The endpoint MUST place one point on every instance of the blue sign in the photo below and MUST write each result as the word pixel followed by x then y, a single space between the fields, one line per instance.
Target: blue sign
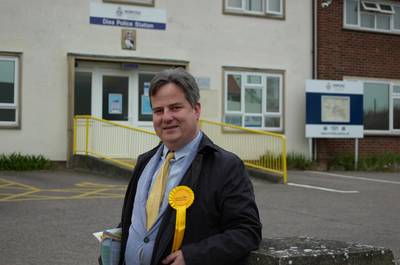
pixel 334 109
pixel 130 65
pixel 126 23
pixel 127 16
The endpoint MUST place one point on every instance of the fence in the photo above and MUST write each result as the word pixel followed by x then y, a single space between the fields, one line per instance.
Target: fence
pixel 263 150
pixel 111 141
pixel 123 144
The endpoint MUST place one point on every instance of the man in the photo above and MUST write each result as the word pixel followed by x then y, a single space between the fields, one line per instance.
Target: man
pixel 222 224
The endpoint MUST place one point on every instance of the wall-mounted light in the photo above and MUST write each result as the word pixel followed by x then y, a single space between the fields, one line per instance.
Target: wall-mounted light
pixel 326 3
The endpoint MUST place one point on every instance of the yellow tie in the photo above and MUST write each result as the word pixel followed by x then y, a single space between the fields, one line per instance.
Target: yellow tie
pixel 157 192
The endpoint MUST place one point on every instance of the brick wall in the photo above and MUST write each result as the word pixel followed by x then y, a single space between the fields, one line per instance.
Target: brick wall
pixel 351 52
pixel 343 52
pixel 369 145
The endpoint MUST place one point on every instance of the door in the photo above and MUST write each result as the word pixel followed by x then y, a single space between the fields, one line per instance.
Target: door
pixel 105 91
pixel 115 87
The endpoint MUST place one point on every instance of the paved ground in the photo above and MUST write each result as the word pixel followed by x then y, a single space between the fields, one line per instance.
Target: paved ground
pixel 48 217
pixel 356 207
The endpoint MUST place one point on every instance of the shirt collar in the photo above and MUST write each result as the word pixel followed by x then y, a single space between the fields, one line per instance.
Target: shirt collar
pixel 185 150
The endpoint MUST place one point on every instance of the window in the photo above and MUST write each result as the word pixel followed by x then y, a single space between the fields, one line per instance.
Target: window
pixel 9 91
pixel 381 106
pixel 133 2
pixel 374 16
pixel 264 8
pixel 396 107
pixel 253 99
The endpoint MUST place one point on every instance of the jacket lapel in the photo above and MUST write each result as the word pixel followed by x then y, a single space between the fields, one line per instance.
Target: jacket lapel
pixel 190 179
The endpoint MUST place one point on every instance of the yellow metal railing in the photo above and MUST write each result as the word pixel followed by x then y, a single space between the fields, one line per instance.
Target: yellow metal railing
pixel 263 150
pixel 111 141
pixel 123 144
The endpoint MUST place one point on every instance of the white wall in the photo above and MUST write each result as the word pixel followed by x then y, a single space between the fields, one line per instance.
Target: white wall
pixel 197 31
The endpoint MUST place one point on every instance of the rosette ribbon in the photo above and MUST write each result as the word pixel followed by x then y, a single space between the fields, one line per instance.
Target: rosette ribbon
pixel 180 199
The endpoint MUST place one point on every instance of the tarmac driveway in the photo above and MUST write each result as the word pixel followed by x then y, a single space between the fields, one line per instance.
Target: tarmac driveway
pixel 348 206
pixel 48 217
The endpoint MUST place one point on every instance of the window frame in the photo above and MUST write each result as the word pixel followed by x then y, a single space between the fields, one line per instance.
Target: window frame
pixel 274 12
pixel 392 96
pixel 364 5
pixel 16 58
pixel 386 11
pixel 378 7
pixel 265 13
pixel 362 9
pixel 150 3
pixel 261 86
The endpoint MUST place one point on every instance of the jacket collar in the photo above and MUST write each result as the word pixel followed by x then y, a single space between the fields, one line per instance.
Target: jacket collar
pixel 206 145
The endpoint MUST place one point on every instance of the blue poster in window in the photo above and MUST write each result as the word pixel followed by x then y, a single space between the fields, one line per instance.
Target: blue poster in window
pixel 146 109
pixel 252 121
pixel 115 103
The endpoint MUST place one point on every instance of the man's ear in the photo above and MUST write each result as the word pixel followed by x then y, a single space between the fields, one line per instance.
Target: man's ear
pixel 197 110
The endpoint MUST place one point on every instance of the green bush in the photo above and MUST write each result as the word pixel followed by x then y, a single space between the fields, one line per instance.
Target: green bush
pixel 382 163
pixel 18 162
pixel 379 163
pixel 270 160
pixel 299 161
pixel 294 160
pixel 342 162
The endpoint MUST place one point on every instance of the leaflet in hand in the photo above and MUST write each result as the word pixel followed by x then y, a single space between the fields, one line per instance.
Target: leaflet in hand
pixel 110 245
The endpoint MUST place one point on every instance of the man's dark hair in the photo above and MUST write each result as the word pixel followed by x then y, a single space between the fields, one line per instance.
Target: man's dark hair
pixel 180 77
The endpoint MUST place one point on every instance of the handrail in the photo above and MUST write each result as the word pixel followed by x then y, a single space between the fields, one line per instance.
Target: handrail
pixel 112 141
pixel 123 144
pixel 258 149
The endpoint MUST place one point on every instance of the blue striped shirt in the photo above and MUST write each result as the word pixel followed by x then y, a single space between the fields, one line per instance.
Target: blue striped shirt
pixel 139 239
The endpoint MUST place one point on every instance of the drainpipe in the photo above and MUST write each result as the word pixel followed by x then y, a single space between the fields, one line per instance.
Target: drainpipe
pixel 314 39
pixel 312 141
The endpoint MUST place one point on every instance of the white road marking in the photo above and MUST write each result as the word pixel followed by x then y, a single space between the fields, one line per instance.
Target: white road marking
pixel 351 177
pixel 320 188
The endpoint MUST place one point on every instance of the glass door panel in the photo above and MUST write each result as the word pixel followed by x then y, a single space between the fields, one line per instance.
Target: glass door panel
pixel 115 98
pixel 83 93
pixel 144 110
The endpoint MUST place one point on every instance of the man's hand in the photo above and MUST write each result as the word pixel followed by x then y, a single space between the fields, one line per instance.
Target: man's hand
pixel 175 259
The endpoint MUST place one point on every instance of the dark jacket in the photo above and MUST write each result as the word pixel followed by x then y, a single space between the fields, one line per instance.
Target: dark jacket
pixel 222 224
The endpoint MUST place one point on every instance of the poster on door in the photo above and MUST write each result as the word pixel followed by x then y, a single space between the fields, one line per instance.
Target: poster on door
pixel 146 108
pixel 115 103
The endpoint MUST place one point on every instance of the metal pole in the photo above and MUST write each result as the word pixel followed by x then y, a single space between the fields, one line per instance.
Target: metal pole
pixel 310 147
pixel 87 135
pixel 356 153
pixel 75 133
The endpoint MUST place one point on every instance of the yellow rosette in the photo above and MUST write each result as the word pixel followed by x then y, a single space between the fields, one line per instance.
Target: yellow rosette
pixel 180 199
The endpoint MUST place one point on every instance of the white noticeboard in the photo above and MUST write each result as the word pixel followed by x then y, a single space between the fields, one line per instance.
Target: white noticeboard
pixel 334 109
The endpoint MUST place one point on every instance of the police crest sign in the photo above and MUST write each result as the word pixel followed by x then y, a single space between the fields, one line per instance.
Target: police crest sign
pixel 128 39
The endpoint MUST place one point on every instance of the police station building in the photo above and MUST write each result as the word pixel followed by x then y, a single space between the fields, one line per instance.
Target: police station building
pixel 59 59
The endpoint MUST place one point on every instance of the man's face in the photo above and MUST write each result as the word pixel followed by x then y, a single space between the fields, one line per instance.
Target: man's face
pixel 174 119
